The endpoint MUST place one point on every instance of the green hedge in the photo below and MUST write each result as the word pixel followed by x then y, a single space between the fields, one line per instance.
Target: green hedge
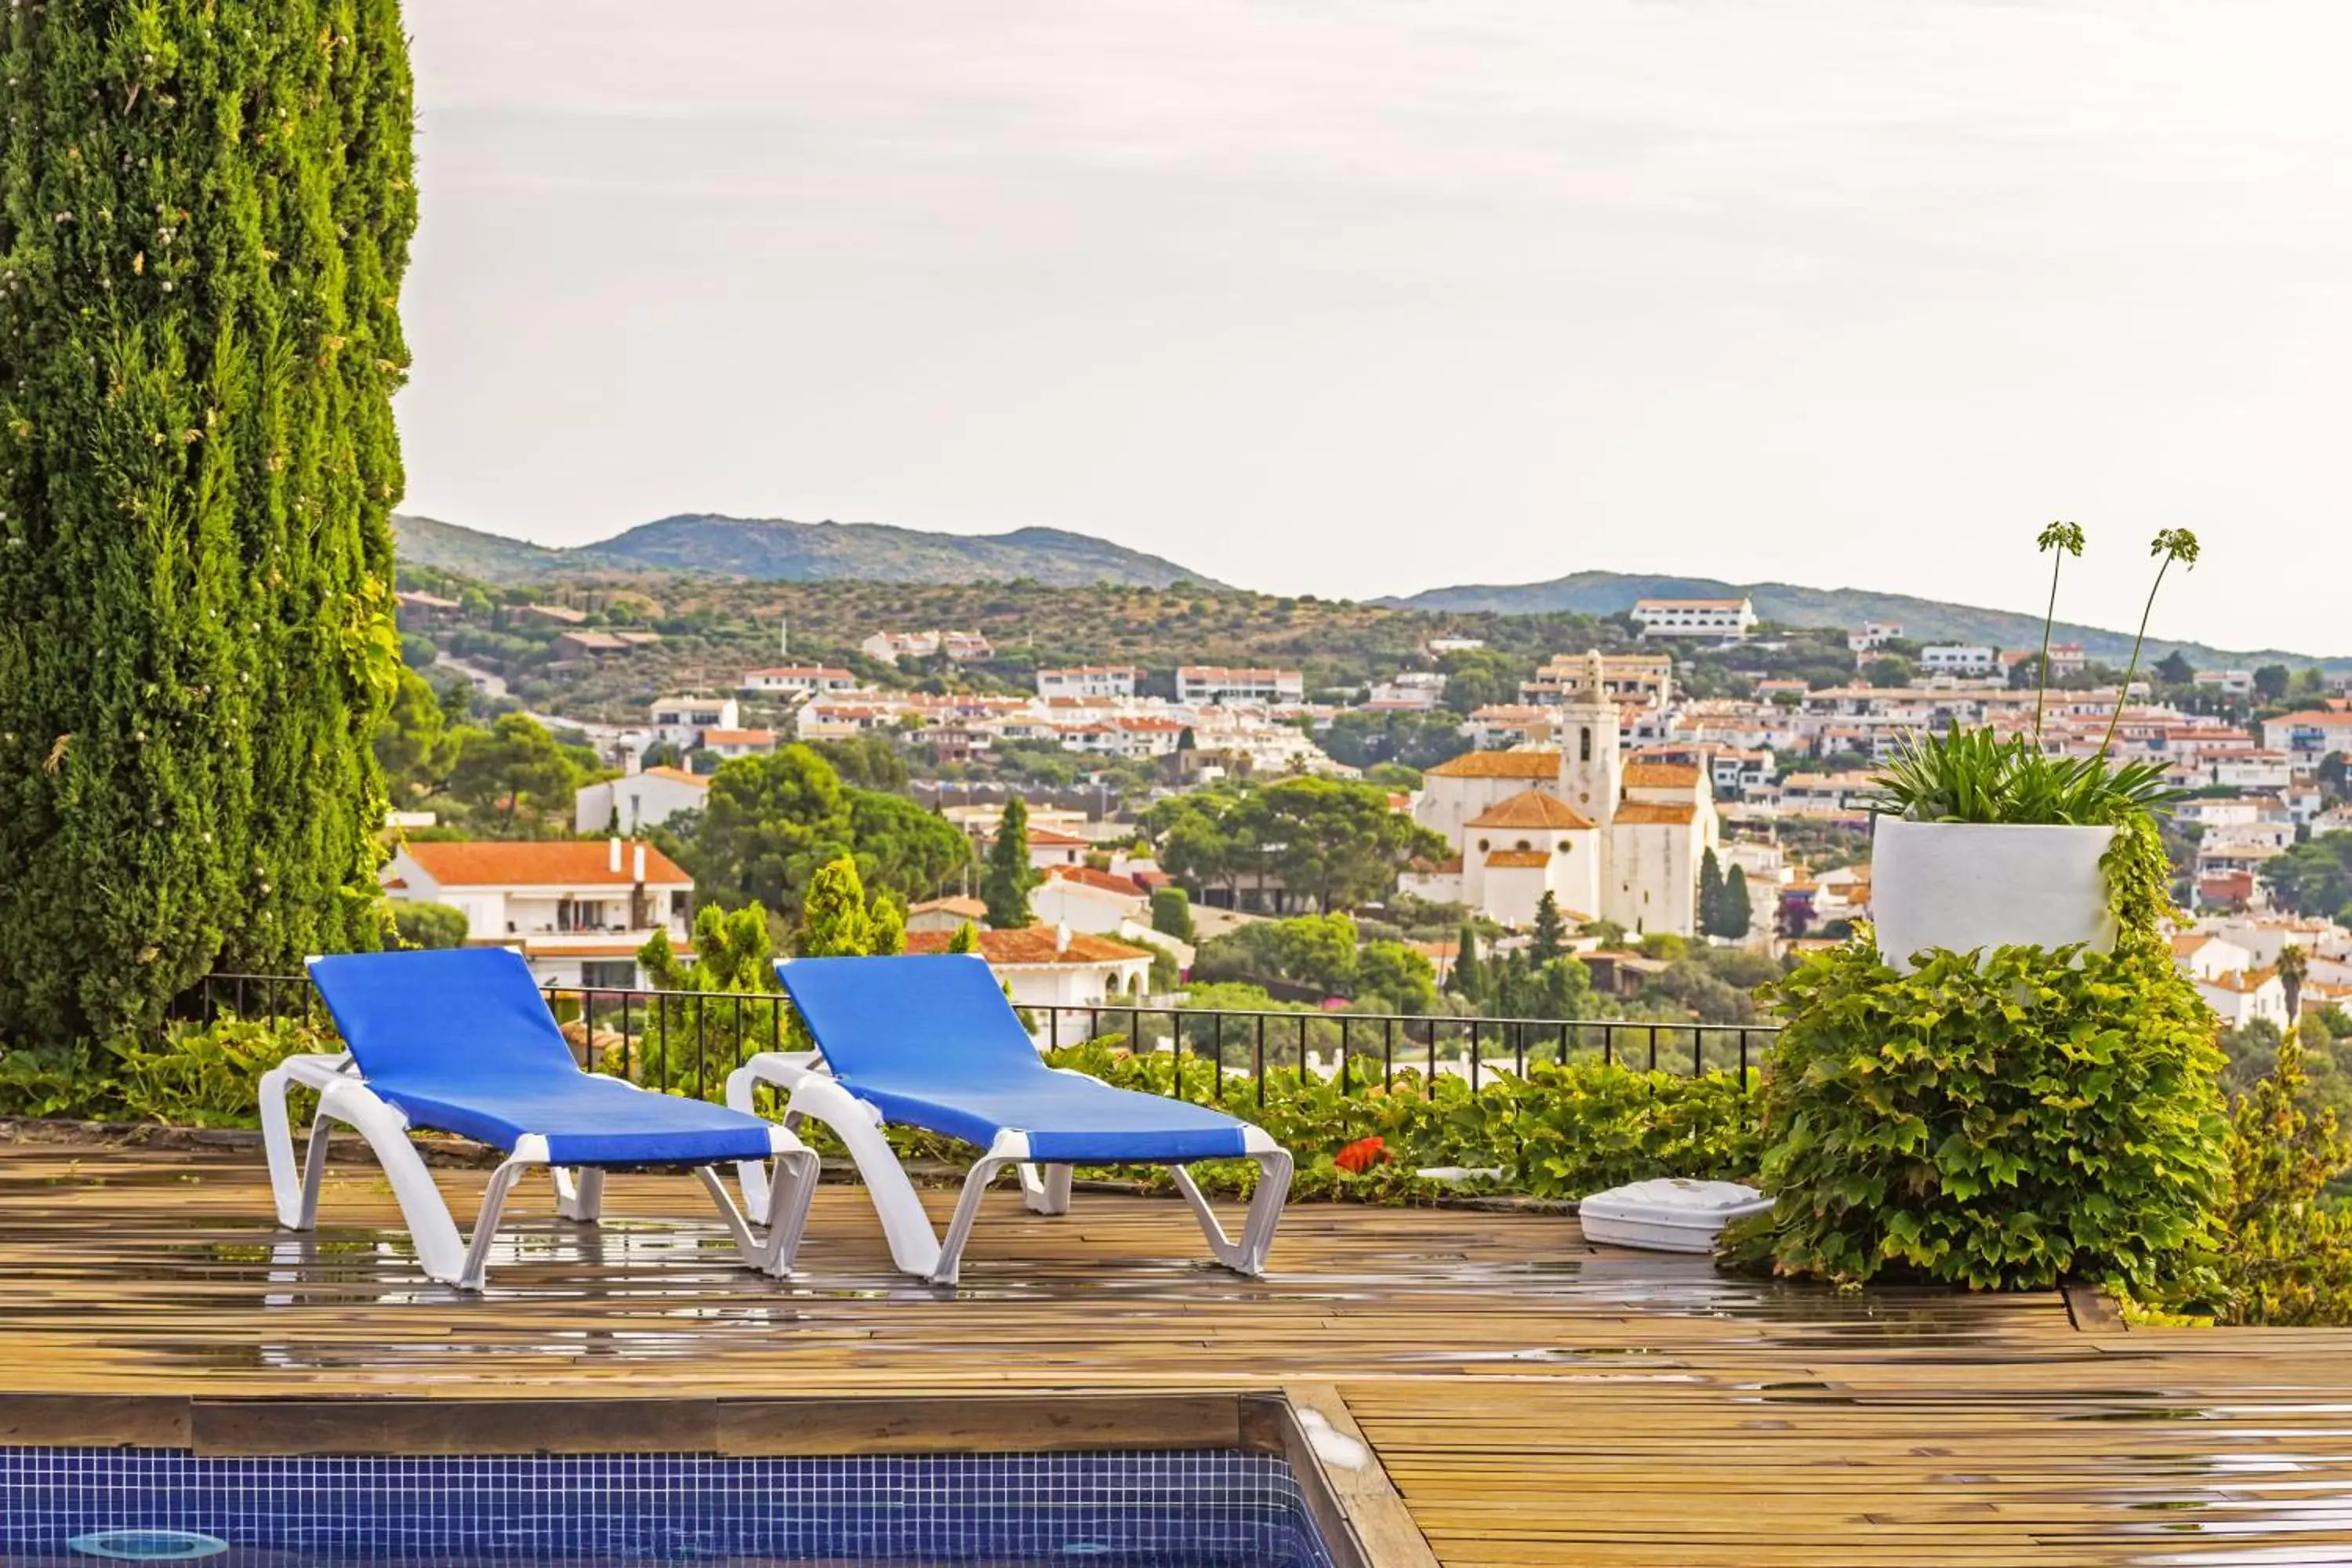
pixel 1559 1132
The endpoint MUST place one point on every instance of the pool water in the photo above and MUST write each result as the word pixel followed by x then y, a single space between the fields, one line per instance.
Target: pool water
pixel 1208 1509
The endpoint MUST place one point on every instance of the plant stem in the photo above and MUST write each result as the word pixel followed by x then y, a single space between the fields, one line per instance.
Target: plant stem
pixel 2123 695
pixel 2042 690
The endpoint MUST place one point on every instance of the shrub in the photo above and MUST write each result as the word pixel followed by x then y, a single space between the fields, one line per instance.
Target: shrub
pixel 1998 1121
pixel 429 925
pixel 2285 1255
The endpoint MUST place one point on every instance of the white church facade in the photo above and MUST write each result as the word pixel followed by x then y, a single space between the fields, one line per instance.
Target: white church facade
pixel 1609 838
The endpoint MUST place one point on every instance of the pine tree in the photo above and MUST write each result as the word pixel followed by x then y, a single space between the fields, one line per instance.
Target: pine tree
pixel 1550 936
pixel 1004 885
pixel 1710 894
pixel 1739 914
pixel 205 215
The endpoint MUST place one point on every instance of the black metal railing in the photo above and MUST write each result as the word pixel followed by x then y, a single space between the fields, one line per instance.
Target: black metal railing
pixel 689 1040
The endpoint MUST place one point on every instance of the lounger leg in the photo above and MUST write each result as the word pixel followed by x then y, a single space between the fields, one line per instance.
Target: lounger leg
pixel 914 1246
pixel 278 1142
pixel 1248 1255
pixel 579 1192
pixel 439 1246
pixel 750 1175
pixel 950 1259
pixel 486 1226
pixel 1046 1188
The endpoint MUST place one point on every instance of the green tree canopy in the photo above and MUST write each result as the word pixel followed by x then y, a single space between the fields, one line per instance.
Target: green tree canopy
pixel 1337 843
pixel 414 743
pixel 513 770
pixel 767 824
pixel 204 224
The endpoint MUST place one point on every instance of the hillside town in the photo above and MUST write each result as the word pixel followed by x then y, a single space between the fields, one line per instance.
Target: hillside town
pixel 1677 787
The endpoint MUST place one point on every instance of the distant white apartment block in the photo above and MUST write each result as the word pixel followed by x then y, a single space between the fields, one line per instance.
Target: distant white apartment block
pixel 1958 659
pixel 1439 646
pixel 1873 634
pixel 1089 681
pixel 2228 682
pixel 1215 683
pixel 681 720
pixel 960 647
pixel 792 679
pixel 1719 620
pixel 1644 678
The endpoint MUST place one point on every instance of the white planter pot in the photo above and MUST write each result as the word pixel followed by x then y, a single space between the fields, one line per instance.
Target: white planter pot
pixel 1966 886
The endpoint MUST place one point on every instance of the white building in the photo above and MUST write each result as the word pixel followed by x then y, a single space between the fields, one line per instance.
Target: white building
pixel 2228 682
pixel 1956 659
pixel 577 909
pixel 1054 967
pixel 798 679
pixel 1719 620
pixel 1199 683
pixel 1607 838
pixel 634 802
pixel 680 720
pixel 1085 681
pixel 1873 634
pixel 733 743
pixel 960 647
pixel 2309 737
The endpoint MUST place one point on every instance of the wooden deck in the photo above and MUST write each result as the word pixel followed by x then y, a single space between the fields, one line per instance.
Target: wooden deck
pixel 1535 1400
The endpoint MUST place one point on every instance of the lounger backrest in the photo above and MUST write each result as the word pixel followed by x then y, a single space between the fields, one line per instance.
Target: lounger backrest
pixel 940 1015
pixel 451 1013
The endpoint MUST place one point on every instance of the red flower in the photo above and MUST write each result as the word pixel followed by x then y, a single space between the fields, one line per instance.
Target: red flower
pixel 1362 1156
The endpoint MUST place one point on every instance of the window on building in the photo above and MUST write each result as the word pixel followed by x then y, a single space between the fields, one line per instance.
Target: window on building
pixel 609 973
pixel 1584 745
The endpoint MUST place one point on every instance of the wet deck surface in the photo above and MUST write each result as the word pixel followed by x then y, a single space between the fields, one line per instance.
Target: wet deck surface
pixel 1536 1400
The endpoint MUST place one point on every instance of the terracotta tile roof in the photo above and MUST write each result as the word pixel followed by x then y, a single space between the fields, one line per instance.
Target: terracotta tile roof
pixel 1643 814
pixel 596 949
pixel 2243 983
pixel 571 862
pixel 2183 946
pixel 676 775
pixel 1530 808
pixel 1032 945
pixel 738 737
pixel 1107 881
pixel 1518 858
pixel 1536 764
pixel 970 908
pixel 1661 776
pixel 1437 868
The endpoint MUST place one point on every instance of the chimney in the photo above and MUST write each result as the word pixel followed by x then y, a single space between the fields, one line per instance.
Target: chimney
pixel 613 859
pixel 1060 938
pixel 638 874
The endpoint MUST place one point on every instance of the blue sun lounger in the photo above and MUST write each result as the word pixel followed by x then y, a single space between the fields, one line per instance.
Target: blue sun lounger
pixel 929 1041
pixel 461 1041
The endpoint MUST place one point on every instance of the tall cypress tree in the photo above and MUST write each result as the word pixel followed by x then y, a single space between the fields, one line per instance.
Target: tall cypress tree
pixel 1710 895
pixel 205 215
pixel 1006 880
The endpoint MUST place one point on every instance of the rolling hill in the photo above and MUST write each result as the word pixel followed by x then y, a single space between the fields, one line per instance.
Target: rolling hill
pixel 1932 620
pixel 773 550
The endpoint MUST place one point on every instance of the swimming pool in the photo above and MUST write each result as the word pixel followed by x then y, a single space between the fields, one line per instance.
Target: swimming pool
pixel 1200 1509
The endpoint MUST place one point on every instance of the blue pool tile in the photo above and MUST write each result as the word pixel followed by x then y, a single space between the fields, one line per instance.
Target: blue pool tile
pixel 1133 1510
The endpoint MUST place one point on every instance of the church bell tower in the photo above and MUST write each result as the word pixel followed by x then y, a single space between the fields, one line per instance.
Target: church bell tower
pixel 1591 768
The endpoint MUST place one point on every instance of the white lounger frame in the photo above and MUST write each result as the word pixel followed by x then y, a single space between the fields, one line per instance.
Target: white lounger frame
pixel 344 1095
pixel 915 1246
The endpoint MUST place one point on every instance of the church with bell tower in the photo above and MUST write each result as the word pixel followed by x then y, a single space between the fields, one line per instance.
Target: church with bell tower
pixel 1609 837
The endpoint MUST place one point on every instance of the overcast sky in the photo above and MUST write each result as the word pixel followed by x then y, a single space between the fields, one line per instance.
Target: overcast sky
pixel 1368 297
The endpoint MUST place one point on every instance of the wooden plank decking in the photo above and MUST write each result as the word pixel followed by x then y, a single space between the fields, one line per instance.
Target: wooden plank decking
pixel 1535 1399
